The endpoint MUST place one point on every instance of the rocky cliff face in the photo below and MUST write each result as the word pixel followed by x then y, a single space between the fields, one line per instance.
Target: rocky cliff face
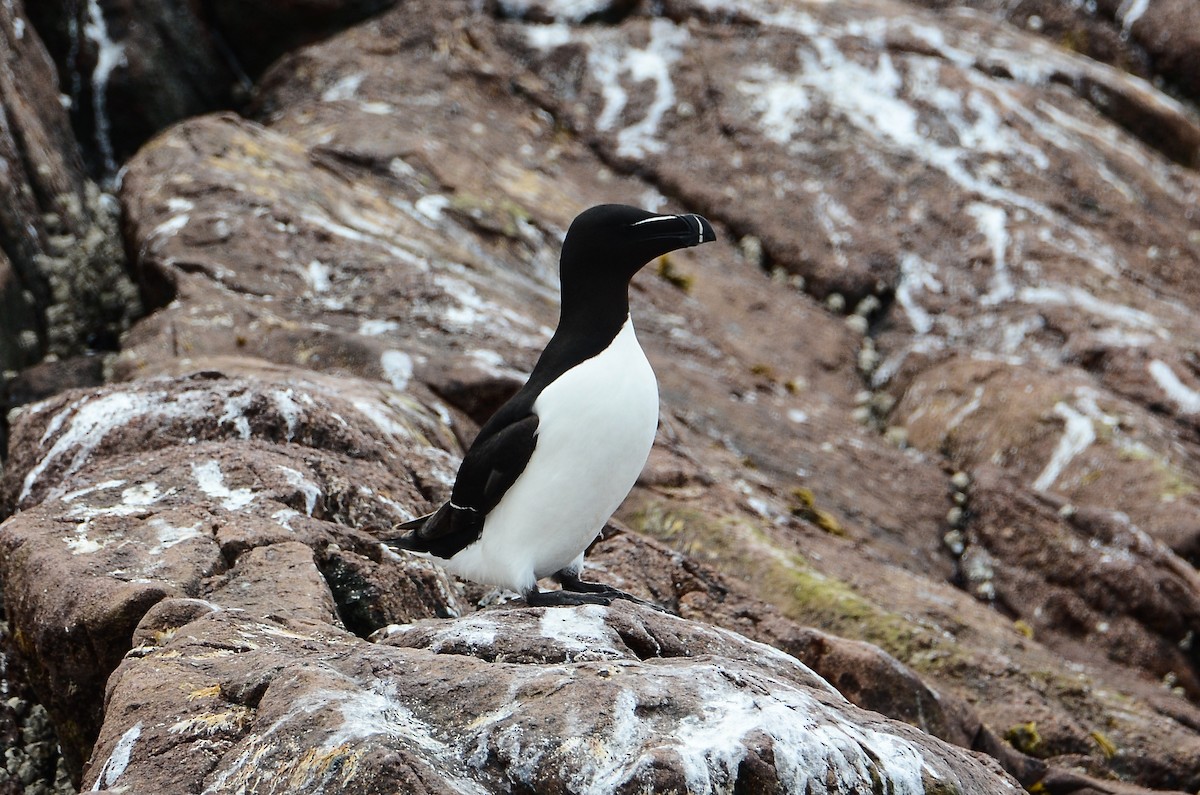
pixel 924 497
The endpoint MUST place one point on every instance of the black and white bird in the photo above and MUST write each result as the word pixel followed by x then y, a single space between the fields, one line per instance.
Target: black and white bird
pixel 553 463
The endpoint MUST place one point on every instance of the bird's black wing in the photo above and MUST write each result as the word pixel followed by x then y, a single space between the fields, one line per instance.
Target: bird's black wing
pixel 490 467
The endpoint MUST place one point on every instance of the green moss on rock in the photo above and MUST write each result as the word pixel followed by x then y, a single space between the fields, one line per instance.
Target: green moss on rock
pixel 790 582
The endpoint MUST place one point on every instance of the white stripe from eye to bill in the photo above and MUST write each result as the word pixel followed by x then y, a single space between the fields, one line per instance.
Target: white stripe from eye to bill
pixel 655 218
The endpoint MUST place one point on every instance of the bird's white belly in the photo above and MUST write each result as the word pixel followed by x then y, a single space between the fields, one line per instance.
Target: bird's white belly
pixel 596 425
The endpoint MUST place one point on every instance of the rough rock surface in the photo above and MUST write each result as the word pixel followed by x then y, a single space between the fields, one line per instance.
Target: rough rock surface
pixel 63 288
pixel 238 491
pixel 501 701
pixel 931 430
pixel 130 68
pixel 1158 41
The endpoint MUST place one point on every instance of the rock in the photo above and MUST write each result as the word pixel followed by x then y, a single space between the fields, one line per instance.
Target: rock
pixel 31 748
pixel 1168 32
pixel 1091 578
pixel 1154 40
pixel 373 594
pixel 76 428
pixel 45 379
pixel 727 489
pixel 785 106
pixel 63 288
pixel 1061 435
pixel 380 239
pixel 131 68
pixel 447 711
pixel 260 31
pixel 202 487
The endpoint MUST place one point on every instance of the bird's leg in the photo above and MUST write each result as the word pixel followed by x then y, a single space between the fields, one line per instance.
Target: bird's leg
pixel 564 598
pixel 570 582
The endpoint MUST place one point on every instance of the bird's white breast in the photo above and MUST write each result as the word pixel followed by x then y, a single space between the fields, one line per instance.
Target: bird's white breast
pixel 596 425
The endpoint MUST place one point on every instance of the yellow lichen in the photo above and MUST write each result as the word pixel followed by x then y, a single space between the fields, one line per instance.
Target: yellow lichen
pixel 503 217
pixel 204 692
pixel 1106 745
pixel 667 272
pixel 1024 737
pixel 806 508
pixel 763 371
pixel 207 724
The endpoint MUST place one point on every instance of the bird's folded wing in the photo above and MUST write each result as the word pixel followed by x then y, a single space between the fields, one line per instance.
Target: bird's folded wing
pixel 493 464
pixel 489 469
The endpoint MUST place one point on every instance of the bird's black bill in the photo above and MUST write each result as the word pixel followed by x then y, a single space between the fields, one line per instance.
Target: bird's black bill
pixel 704 230
pixel 684 230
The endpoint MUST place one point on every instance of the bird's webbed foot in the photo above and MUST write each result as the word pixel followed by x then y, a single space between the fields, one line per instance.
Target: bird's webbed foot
pixel 570 582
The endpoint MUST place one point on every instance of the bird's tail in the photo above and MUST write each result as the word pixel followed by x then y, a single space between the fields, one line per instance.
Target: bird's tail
pixel 414 524
pixel 404 535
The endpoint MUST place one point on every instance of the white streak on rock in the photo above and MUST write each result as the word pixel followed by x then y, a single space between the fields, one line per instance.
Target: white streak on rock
pixel 286 404
pixel 571 10
pixel 377 108
pixel 310 490
pixel 493 363
pixel 547 37
pixel 235 413
pixel 781 103
pixel 364 715
pixel 1078 435
pixel 316 276
pixel 432 206
pixel 376 413
pixel 211 481
pixel 375 328
pixel 473 311
pixel 810 755
pixel 91 419
pixel 475 631
pixel 916 275
pixel 109 55
pixel 992 222
pixel 104 486
pixel 581 631
pixel 650 64
pixel 398 367
pixel 169 535
pixel 170 226
pixel 134 500
pixel 371 237
pixel 1180 393
pixel 284 516
pixel 345 88
pixel 81 544
pixel 1077 297
pixel 969 408
pixel 1130 11
pixel 118 760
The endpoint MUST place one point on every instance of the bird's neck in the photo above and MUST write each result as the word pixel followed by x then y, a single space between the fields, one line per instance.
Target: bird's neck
pixel 596 308
pixel 588 323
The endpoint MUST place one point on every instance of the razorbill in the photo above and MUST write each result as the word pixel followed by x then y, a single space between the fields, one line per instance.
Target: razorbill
pixel 554 462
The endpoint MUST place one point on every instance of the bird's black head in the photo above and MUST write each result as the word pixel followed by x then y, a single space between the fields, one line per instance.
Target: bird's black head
pixel 615 241
pixel 610 243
